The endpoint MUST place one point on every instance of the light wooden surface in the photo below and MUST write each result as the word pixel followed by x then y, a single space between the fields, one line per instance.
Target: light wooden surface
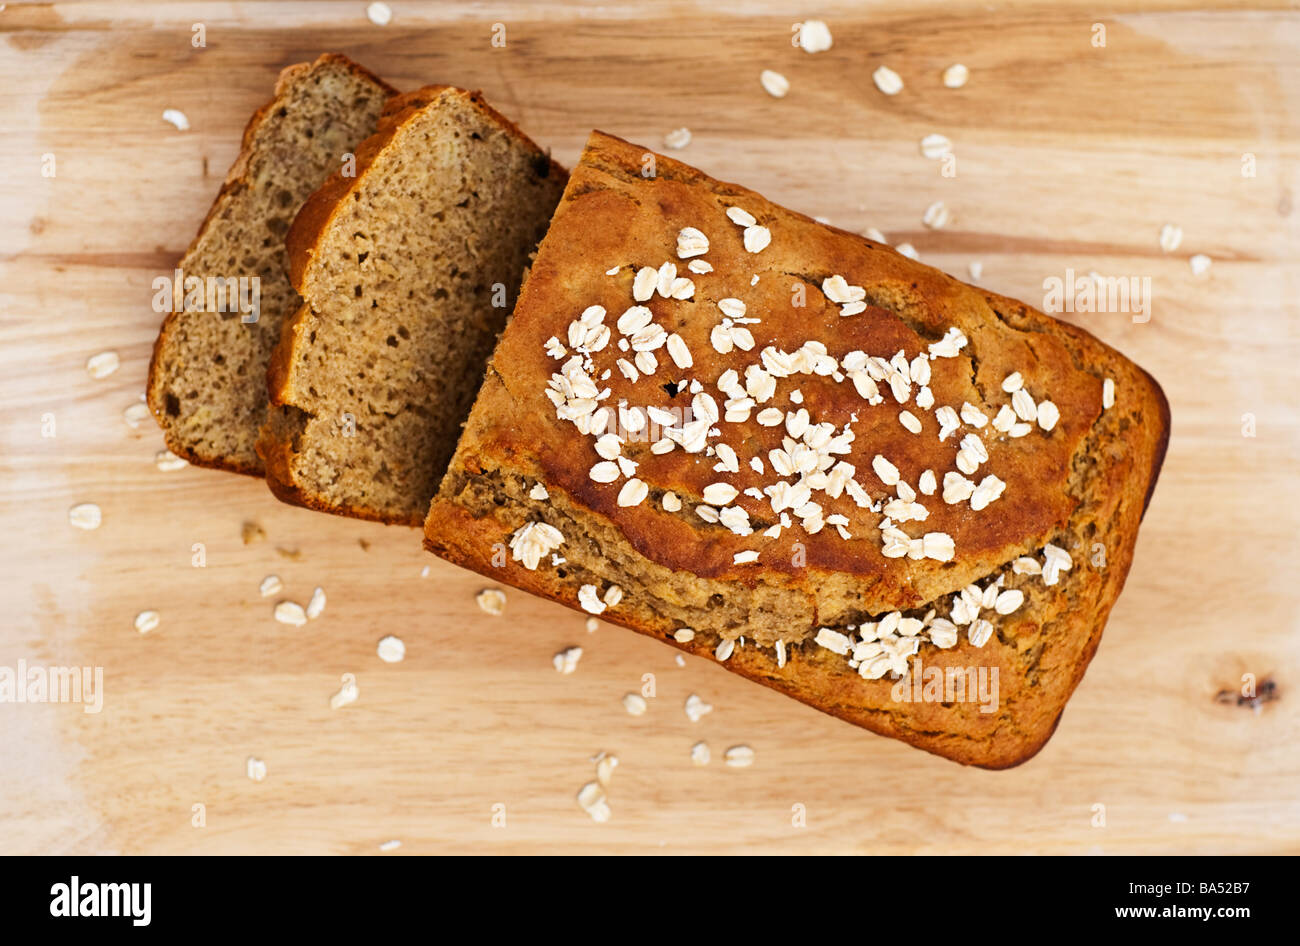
pixel 1069 156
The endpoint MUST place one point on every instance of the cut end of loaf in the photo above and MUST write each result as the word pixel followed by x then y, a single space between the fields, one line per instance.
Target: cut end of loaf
pixel 408 272
pixel 207 377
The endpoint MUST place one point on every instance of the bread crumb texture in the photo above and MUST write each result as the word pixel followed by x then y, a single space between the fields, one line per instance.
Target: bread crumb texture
pixel 408 272
pixel 207 377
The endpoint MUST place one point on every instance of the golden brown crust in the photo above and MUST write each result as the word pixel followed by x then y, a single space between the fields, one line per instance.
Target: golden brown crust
pixel 1086 483
pixel 235 178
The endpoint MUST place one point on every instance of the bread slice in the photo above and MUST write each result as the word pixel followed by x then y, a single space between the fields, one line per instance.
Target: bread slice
pixel 408 272
pixel 207 377
pixel 788 545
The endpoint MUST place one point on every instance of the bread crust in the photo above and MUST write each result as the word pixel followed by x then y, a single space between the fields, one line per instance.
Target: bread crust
pixel 513 439
pixel 313 221
pixel 236 178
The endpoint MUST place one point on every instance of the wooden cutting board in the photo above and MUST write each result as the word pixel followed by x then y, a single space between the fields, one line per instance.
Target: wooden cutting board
pixel 1070 156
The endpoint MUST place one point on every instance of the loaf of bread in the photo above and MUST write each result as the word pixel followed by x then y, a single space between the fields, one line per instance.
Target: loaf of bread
pixel 207 378
pixel 900 499
pixel 408 271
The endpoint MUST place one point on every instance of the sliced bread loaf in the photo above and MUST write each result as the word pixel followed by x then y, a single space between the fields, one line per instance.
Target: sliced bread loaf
pixel 408 272
pixel 207 378
pixel 905 501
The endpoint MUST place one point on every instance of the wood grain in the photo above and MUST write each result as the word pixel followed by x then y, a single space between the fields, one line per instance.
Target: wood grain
pixel 1069 156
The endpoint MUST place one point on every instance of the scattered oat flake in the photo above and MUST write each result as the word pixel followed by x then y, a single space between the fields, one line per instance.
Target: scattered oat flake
pixel 392 845
pixel 887 80
pixel 908 250
pixel 1200 264
pixel 592 625
pixel 738 757
pixel 955 76
pixel 103 364
pixel 976 270
pixel 256 769
pixel 814 36
pixel 1171 237
pixel 774 84
pixel 696 708
pixel 635 704
pixel 591 798
pixel 935 146
pixel 391 649
pixel 491 600
pixel 605 766
pixel 380 14
pixel 290 612
pixel 316 605
pixel 678 138
pixel 176 118
pixel 135 415
pixel 700 754
pixel 85 516
pixel 566 661
pixel 147 621
pixel 270 585
pixel 936 216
